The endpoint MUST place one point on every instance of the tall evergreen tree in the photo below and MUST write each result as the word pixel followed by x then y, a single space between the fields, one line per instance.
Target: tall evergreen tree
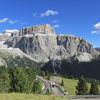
pixel 62 83
pixel 32 72
pixel 94 90
pixel 82 87
pixel 48 77
pixel 4 80
pixel 20 81
pixel 42 73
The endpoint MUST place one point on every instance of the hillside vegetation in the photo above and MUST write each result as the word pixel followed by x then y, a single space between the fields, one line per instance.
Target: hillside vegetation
pixel 76 69
pixel 69 85
pixel 14 57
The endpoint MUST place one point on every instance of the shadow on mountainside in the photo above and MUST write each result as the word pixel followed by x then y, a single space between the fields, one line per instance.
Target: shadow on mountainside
pixel 86 69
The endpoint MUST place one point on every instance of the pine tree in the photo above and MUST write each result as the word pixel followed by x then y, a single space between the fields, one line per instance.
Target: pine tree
pixel 46 73
pixel 94 90
pixel 4 80
pixel 48 77
pixel 62 83
pixel 37 87
pixel 20 81
pixel 82 88
pixel 42 73
pixel 31 74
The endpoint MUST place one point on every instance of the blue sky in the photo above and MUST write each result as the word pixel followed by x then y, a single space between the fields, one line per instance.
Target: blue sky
pixel 76 17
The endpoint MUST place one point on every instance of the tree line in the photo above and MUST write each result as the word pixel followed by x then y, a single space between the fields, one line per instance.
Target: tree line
pixel 20 80
pixel 86 87
pixel 23 80
pixel 82 87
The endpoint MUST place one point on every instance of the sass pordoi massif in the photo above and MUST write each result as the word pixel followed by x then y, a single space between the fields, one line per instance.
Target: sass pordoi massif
pixel 40 46
pixel 49 50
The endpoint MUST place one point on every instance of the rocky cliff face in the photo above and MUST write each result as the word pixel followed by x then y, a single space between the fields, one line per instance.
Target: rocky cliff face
pixel 43 44
pixel 63 54
pixel 11 57
pixel 6 34
pixel 98 49
pixel 39 29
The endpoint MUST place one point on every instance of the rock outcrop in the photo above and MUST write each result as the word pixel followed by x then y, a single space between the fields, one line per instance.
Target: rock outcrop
pixel 42 44
pixel 6 34
pixel 82 57
pixel 98 49
pixel 39 29
pixel 11 57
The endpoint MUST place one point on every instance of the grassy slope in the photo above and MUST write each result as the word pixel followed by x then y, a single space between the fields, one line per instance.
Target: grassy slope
pixel 19 96
pixel 69 84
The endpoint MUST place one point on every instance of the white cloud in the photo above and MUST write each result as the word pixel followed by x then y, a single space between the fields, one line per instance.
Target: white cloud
pixel 97 28
pixel 55 21
pixel 12 21
pixel 4 20
pixel 94 32
pixel 7 20
pixel 48 13
pixel 56 26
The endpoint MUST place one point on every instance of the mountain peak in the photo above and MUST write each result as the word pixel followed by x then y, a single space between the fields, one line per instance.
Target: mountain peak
pixel 38 29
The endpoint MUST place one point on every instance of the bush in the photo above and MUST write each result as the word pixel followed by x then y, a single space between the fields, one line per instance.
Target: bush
pixel 94 90
pixel 62 83
pixel 82 87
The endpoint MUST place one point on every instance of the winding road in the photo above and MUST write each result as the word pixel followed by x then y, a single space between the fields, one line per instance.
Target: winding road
pixel 47 84
pixel 57 90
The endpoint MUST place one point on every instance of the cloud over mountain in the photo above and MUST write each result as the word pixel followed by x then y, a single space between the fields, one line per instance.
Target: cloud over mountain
pixel 97 28
pixel 56 26
pixel 49 12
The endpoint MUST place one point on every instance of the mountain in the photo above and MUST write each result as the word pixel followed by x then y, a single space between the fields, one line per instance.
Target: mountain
pixel 11 57
pixel 40 46
pixel 43 44
pixel 6 34
pixel 98 49
pixel 74 68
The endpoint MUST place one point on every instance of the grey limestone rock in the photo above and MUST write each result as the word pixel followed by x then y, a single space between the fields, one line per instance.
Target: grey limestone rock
pixel 6 34
pixel 43 44
pixel 39 29
pixel 98 49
